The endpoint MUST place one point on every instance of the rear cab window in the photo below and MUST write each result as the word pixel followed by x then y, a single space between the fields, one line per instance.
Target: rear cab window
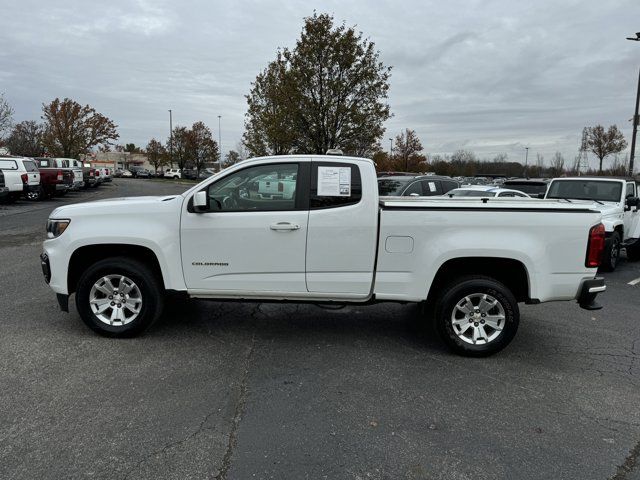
pixel 334 184
pixel 7 164
pixel 30 166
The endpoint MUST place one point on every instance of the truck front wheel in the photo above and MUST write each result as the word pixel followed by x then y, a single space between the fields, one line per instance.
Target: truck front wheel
pixel 119 297
pixel 476 316
pixel 611 253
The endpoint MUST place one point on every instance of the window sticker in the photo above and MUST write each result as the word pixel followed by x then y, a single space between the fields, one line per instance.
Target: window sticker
pixel 334 181
pixel 432 186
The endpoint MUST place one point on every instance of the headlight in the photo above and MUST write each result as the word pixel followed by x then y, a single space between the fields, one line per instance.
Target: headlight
pixel 55 228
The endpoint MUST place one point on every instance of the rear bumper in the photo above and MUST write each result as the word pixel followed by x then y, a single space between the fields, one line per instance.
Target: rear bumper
pixel 30 188
pixel 589 291
pixel 62 187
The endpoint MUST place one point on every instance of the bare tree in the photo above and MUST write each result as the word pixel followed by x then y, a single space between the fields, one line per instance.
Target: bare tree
pixel 557 164
pixel 603 143
pixel 231 158
pixel 6 115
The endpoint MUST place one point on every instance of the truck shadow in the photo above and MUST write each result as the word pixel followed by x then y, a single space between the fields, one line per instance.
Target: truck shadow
pixel 385 322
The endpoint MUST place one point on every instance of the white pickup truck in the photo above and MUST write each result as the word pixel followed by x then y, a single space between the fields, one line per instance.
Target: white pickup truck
pixel 617 200
pixel 470 259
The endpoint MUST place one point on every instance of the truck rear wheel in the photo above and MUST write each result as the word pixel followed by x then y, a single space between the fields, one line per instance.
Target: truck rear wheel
pixel 119 297
pixel 476 316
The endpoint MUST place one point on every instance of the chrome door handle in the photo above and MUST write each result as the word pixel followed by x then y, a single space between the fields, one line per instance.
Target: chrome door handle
pixel 284 226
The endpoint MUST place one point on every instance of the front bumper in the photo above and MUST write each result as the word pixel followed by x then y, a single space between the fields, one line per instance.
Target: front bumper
pixel 589 291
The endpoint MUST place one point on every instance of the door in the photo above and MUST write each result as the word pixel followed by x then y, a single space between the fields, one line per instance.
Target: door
pixel 249 241
pixel 631 217
pixel 342 236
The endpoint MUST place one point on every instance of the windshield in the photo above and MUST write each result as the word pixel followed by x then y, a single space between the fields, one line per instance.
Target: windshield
pixel 602 191
pixel 470 193
pixel 390 187
pixel 527 187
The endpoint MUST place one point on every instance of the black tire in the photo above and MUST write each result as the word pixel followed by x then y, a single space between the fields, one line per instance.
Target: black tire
pixel 151 293
pixel 633 253
pixel 176 177
pixel 475 288
pixel 611 253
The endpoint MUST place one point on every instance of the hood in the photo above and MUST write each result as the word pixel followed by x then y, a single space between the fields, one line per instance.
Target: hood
pixel 122 205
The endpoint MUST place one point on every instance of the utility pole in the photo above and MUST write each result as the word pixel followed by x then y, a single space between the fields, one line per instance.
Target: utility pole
pixel 391 148
pixel 635 117
pixel 170 139
pixel 219 144
pixel 526 160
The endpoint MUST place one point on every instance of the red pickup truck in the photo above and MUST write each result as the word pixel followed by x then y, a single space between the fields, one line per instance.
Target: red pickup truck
pixel 55 181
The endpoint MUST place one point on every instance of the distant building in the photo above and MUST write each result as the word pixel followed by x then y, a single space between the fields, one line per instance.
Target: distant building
pixel 115 160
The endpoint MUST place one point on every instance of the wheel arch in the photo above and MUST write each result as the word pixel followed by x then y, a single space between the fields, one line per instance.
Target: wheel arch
pixel 508 271
pixel 87 255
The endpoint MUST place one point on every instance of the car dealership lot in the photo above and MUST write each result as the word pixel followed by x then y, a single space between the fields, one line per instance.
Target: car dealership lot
pixel 241 390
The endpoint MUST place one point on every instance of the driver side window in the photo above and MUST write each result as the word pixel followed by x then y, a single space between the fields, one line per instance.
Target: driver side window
pixel 261 188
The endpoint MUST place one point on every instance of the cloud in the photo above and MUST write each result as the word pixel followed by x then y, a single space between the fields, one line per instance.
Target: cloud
pixel 492 76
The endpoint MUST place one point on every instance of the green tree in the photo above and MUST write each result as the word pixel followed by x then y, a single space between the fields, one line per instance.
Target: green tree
pixel 26 139
pixel 131 148
pixel 72 129
pixel 407 145
pixel 156 154
pixel 202 148
pixel 329 91
pixel 231 158
pixel 180 146
pixel 603 143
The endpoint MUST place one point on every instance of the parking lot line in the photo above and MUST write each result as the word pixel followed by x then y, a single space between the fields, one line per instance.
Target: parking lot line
pixel 634 282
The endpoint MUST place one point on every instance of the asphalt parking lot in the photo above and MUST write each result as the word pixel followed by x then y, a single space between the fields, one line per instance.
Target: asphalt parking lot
pixel 238 391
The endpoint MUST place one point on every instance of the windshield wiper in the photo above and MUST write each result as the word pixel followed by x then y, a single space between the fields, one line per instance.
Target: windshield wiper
pixel 597 201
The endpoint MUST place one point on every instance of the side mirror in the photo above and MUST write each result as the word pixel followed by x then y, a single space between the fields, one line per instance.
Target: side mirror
pixel 201 202
pixel 632 202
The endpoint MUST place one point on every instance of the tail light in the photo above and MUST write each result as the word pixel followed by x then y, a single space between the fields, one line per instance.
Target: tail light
pixel 595 246
pixel 60 176
pixel 25 178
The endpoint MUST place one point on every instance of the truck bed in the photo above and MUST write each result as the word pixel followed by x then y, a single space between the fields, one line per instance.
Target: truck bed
pixel 477 203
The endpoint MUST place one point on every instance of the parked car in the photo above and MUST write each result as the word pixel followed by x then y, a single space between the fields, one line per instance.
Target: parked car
pixel 126 174
pixel 70 164
pixel 4 190
pixel 138 171
pixel 117 173
pixel 487 191
pixel 415 186
pixel 105 173
pixel 190 173
pixel 173 173
pixel 22 177
pixel 531 186
pixel 617 200
pixel 54 181
pixel 335 240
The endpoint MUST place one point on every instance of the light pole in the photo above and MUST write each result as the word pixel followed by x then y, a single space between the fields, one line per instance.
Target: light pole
pixel 526 160
pixel 391 148
pixel 170 139
pixel 635 117
pixel 219 144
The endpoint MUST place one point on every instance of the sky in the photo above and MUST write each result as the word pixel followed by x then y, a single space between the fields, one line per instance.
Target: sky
pixel 487 76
